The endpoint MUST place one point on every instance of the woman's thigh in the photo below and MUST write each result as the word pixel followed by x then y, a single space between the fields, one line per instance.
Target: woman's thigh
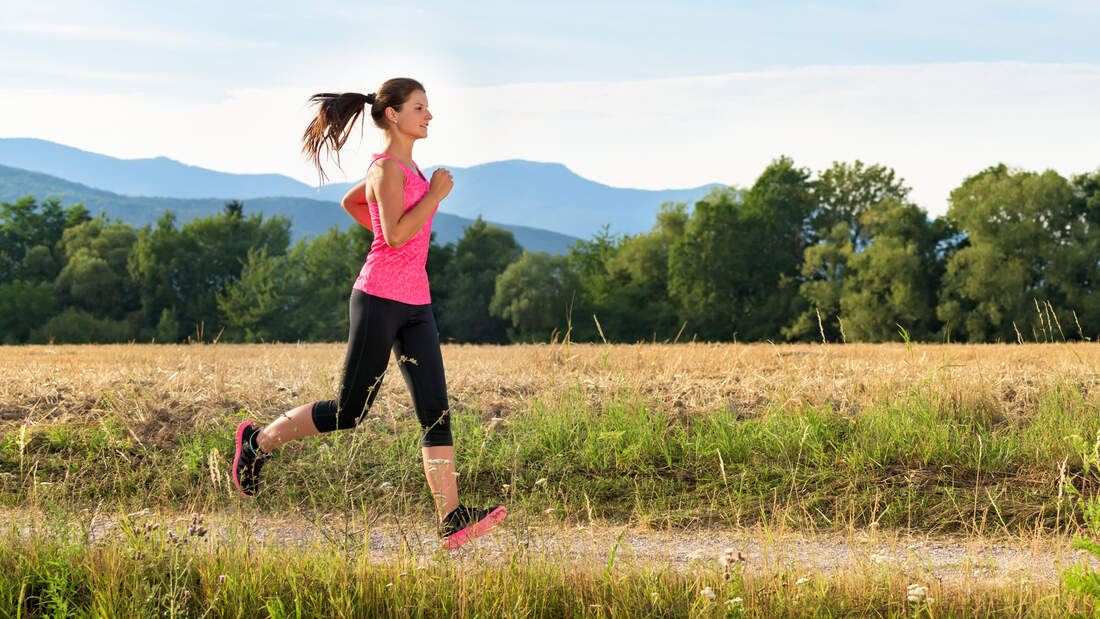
pixel 416 348
pixel 374 325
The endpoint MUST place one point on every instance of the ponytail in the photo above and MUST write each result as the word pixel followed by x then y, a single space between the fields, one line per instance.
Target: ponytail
pixel 331 127
pixel 337 113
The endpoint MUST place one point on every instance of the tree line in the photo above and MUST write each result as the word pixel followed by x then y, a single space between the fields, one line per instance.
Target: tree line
pixel 838 255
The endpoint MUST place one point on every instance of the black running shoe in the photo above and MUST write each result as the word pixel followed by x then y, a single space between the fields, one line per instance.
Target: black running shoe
pixel 466 523
pixel 248 461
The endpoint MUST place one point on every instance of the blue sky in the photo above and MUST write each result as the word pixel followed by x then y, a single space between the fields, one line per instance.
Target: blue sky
pixel 220 84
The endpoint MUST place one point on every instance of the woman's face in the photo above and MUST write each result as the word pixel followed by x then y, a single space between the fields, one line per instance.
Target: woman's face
pixel 414 115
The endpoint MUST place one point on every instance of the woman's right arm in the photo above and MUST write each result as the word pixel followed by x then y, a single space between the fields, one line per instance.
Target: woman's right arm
pixel 399 225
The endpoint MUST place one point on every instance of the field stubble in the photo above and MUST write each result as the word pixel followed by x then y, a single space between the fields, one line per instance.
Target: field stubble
pixel 931 438
pixel 831 443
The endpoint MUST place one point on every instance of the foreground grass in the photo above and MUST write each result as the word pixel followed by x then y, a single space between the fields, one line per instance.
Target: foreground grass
pixel 929 440
pixel 145 573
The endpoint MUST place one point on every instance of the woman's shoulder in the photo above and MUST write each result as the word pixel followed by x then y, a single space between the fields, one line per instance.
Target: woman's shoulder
pixel 386 168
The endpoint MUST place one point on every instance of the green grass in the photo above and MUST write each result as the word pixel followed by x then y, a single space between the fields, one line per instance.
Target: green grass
pixel 141 573
pixel 916 462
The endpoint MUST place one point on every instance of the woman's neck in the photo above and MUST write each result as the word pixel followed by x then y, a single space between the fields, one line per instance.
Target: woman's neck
pixel 400 146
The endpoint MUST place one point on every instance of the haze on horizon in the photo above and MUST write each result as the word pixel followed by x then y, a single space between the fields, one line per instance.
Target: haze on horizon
pixel 652 95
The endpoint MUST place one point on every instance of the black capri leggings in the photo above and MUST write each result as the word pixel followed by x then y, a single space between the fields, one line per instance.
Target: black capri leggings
pixel 377 325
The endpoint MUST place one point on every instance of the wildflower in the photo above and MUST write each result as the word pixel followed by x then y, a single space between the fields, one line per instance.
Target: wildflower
pixel 221 579
pixel 506 486
pixel 916 593
pixel 654 594
pixel 386 485
pixel 873 524
pixel 186 594
pixel 734 602
pixel 802 581
pixel 708 592
pixel 540 481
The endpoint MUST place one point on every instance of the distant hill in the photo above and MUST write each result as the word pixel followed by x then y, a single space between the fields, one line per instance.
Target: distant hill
pixel 308 217
pixel 518 192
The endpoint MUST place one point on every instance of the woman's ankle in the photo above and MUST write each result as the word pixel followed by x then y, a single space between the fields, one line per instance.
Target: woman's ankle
pixel 257 444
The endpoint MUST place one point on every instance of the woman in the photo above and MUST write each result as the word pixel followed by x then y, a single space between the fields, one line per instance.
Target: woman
pixel 390 305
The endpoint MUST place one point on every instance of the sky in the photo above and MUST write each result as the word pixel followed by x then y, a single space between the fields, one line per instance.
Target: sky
pixel 652 95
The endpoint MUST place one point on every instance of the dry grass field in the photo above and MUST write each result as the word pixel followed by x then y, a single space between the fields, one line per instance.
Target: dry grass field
pixel 970 441
pixel 166 390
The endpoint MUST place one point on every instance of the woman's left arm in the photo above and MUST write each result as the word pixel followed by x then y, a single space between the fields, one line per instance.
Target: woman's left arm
pixel 355 203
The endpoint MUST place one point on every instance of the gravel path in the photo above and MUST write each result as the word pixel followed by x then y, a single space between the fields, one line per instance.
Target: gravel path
pixel 760 552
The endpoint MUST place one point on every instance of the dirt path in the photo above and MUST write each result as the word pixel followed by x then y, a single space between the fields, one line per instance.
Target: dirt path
pixel 762 552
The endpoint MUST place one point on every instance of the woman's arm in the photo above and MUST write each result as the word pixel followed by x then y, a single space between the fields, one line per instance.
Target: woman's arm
pixel 355 203
pixel 399 225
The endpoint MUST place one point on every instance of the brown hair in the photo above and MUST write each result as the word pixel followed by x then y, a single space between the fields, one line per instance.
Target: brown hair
pixel 337 113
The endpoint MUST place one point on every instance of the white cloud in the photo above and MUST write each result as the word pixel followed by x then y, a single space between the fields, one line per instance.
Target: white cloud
pixel 145 36
pixel 935 124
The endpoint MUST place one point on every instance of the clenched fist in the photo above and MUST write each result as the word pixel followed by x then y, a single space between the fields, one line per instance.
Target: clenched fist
pixel 441 183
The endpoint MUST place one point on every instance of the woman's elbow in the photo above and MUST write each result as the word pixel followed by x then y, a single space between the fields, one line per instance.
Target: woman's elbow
pixel 393 241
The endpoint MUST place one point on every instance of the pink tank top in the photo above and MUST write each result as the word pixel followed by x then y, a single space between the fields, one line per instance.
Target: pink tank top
pixel 398 274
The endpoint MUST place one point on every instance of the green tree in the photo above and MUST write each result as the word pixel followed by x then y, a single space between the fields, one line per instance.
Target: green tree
pixel 439 260
pixel 185 268
pixel 824 268
pixel 1074 270
pixel 844 193
pixel 481 254
pixel 24 307
pixel 589 260
pixel 27 225
pixel 259 305
pixel 1014 222
pixel 894 280
pixel 534 294
pixel 736 268
pixel 95 277
pixel 327 267
pixel 75 326
pixel 638 306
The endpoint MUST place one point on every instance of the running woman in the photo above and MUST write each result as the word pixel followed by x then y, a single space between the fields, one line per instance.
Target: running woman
pixel 390 305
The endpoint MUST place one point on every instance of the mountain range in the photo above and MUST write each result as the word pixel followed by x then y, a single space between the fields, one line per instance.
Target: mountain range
pixel 308 217
pixel 512 193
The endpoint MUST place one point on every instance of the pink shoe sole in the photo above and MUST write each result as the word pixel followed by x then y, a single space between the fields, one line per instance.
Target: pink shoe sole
pixel 476 530
pixel 237 456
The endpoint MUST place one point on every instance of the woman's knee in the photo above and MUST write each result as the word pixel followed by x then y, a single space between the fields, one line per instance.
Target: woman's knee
pixel 328 416
pixel 437 431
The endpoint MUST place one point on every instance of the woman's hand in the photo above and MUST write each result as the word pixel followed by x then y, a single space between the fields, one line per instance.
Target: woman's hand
pixel 441 183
